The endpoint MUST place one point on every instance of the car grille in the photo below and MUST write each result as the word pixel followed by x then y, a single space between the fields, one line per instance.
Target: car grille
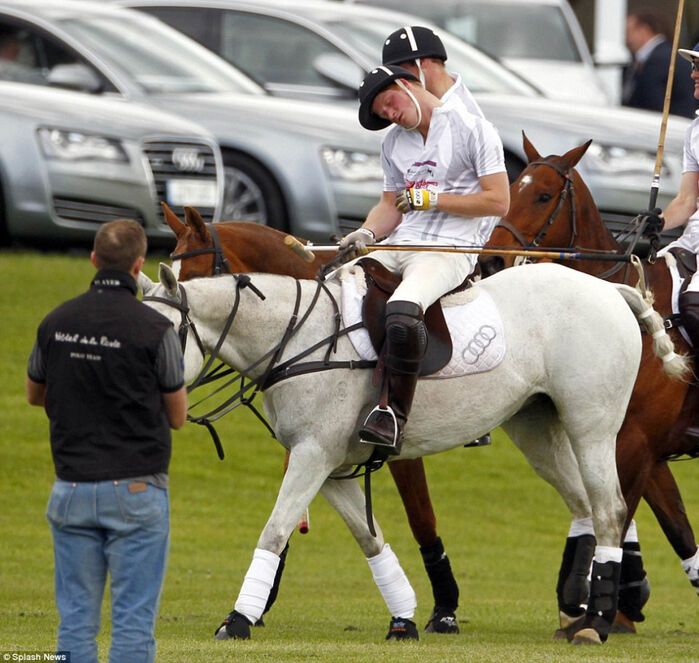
pixel 84 211
pixel 196 161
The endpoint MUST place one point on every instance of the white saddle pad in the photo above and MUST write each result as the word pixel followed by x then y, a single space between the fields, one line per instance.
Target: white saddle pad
pixel 472 317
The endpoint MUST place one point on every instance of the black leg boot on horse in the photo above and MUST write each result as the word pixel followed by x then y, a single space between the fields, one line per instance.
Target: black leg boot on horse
pixel 689 316
pixel 406 342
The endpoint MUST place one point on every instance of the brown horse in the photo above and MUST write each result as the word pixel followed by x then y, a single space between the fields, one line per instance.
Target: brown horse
pixel 237 247
pixel 552 207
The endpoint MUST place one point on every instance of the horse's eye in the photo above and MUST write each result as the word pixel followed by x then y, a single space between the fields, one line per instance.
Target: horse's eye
pixel 544 197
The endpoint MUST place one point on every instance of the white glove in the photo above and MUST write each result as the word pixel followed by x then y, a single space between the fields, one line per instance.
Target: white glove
pixel 359 238
pixel 416 198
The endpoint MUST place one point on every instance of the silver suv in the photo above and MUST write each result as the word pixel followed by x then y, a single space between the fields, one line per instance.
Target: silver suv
pixel 290 164
pixel 69 162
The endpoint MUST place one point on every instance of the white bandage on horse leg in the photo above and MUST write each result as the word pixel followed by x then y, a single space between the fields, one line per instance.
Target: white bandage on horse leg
pixel 257 584
pixel 393 583
pixel 691 568
pixel 631 533
pixel 604 554
pixel 580 527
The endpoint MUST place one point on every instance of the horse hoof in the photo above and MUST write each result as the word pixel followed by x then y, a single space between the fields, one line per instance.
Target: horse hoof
pixel 622 624
pixel 442 621
pixel 235 626
pixel 587 636
pixel 260 622
pixel 569 626
pixel 402 629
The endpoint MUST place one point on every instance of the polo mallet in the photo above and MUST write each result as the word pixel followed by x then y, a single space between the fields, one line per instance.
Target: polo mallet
pixel 305 251
pixel 655 185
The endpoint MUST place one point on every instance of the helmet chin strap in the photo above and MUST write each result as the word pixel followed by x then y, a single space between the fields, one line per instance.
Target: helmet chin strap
pixel 405 88
pixel 420 73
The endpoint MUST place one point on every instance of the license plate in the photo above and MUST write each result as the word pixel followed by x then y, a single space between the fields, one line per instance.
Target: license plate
pixel 194 193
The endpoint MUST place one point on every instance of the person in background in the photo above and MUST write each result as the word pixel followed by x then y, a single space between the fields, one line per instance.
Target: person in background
pixel 109 372
pixel 645 79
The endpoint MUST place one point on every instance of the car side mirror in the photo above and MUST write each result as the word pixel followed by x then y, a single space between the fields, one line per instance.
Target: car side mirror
pixel 340 70
pixel 75 77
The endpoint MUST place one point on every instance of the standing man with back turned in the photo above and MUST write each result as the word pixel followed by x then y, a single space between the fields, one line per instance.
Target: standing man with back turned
pixel 109 372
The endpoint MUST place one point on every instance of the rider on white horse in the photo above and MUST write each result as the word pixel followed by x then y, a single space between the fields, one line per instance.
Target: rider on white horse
pixel 444 183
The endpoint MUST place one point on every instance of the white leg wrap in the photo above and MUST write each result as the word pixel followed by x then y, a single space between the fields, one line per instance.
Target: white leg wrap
pixel 604 554
pixel 257 584
pixel 631 533
pixel 691 567
pixel 393 583
pixel 581 526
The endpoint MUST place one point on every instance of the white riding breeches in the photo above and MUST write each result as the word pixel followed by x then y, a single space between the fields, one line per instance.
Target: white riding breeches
pixel 427 275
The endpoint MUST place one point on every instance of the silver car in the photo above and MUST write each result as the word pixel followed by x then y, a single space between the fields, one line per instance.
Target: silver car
pixel 69 162
pixel 291 164
pixel 320 50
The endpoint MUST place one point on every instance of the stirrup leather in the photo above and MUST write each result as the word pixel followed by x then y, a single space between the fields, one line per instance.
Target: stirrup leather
pixel 396 429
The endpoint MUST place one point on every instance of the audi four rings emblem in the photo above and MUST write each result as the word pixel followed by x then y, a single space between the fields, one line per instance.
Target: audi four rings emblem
pixel 478 344
pixel 188 159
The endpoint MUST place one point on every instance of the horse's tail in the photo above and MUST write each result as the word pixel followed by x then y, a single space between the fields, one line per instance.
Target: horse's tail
pixel 640 301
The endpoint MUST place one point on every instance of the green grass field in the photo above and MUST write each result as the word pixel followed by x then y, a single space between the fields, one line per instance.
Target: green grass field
pixel 502 526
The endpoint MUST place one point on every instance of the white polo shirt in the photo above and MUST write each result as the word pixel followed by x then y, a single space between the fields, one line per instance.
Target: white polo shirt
pixel 460 148
pixel 461 91
pixel 690 164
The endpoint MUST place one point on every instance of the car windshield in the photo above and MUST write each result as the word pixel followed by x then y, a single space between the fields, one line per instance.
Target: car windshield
pixel 157 58
pixel 503 29
pixel 479 72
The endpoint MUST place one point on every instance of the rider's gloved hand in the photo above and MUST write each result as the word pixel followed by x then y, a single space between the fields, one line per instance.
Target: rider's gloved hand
pixel 654 222
pixel 416 198
pixel 359 239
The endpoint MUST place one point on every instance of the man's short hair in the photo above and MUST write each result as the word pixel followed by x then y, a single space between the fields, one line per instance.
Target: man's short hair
pixel 655 20
pixel 118 244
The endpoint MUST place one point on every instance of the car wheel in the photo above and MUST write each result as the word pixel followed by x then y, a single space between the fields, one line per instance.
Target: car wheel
pixel 251 193
pixel 4 232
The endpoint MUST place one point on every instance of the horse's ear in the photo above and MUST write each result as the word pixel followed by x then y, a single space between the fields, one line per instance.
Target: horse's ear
pixel 195 221
pixel 168 279
pixel 529 149
pixel 571 157
pixel 172 220
pixel 144 283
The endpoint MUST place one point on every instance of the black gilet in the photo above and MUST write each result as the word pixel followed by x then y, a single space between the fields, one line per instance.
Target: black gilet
pixel 102 390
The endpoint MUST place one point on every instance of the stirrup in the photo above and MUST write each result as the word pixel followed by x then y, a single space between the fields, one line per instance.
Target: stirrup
pixel 367 436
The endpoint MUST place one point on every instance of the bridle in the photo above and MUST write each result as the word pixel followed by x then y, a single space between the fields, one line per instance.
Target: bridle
pixel 221 265
pixel 567 192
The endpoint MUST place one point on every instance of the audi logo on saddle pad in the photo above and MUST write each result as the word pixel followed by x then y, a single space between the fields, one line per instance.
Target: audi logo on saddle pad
pixel 188 159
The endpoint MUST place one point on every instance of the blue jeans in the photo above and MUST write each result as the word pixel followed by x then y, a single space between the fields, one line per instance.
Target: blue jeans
pixel 116 527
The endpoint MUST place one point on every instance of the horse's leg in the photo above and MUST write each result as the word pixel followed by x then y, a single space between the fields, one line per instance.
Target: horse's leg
pixel 595 451
pixel 634 463
pixel 349 501
pixel 409 477
pixel 663 497
pixel 309 466
pixel 538 433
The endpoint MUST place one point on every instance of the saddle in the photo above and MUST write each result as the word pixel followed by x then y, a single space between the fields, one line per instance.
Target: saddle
pixel 686 264
pixel 381 283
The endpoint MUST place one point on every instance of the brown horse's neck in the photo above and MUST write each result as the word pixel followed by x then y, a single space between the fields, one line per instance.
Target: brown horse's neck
pixel 254 248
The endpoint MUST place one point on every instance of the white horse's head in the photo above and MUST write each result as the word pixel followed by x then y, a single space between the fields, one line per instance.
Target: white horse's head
pixel 175 308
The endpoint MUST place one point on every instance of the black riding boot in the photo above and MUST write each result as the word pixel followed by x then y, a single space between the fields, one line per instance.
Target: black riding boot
pixel 689 316
pixel 406 342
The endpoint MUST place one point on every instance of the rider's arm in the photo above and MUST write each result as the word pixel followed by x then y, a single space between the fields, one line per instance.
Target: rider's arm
pixel 684 204
pixel 383 217
pixel 492 200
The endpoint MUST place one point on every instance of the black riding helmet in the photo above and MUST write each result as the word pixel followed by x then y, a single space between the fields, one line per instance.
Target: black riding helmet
pixel 375 81
pixel 411 43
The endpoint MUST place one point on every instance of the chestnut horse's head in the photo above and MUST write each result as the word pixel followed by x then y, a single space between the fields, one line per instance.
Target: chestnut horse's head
pixel 545 202
pixel 195 253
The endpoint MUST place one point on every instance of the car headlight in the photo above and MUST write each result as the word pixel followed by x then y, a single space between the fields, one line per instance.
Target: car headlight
pixel 343 164
pixel 612 159
pixel 76 146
